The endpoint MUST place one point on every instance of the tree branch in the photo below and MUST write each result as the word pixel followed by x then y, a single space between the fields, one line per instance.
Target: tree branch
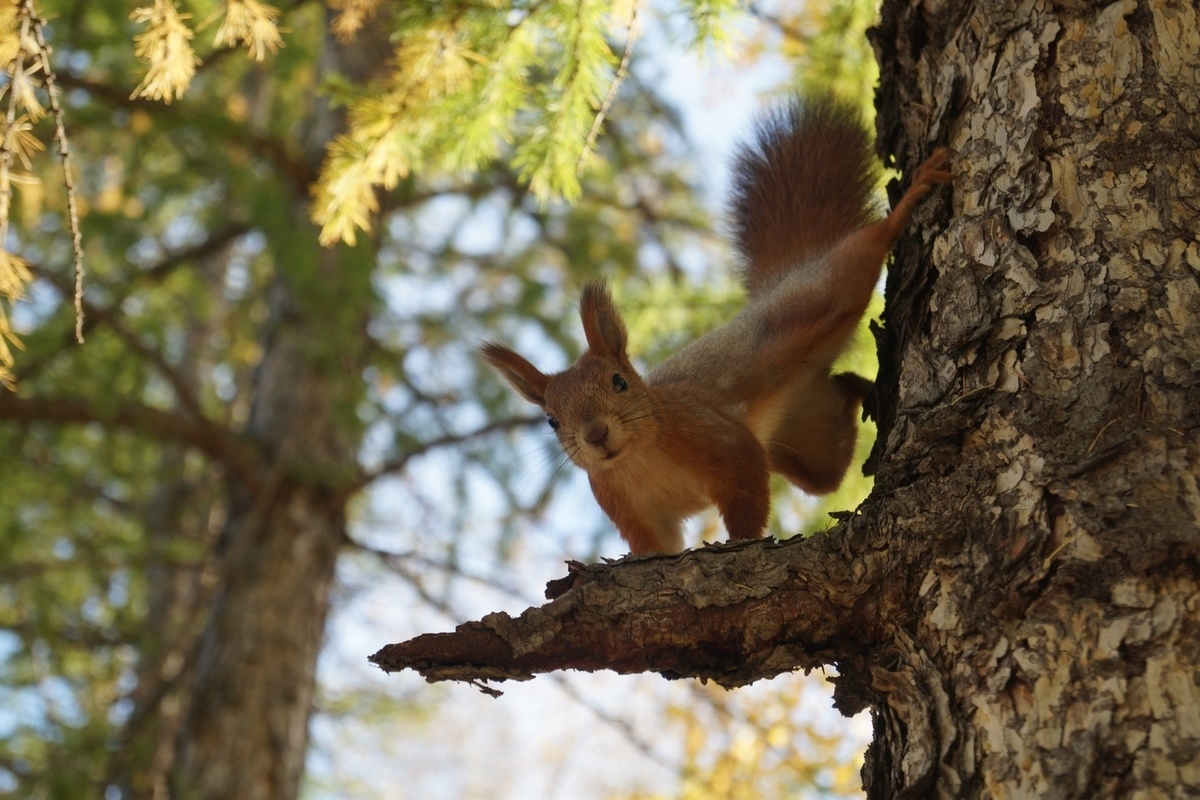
pixel 156 273
pixel 217 240
pixel 183 392
pixel 288 164
pixel 398 463
pixel 210 439
pixel 732 613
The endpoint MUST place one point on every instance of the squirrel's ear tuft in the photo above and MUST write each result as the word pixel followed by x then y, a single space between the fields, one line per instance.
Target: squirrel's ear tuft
pixel 602 325
pixel 524 377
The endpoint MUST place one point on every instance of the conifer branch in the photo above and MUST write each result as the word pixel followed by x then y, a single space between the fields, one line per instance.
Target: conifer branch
pixel 622 71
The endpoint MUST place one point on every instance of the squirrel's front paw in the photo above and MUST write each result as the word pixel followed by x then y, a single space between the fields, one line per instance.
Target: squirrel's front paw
pixel 932 169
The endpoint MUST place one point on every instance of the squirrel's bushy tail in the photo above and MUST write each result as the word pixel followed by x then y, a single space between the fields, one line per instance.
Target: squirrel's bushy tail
pixel 805 180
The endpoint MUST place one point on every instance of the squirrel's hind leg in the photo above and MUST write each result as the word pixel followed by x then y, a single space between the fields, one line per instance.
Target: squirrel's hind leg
pixel 814 442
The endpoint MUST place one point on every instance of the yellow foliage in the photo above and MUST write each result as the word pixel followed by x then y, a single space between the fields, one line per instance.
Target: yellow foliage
pixel 433 63
pixel 352 15
pixel 253 24
pixel 170 60
pixel 10 37
pixel 19 140
pixel 386 133
pixel 345 202
pixel 460 86
pixel 765 741
pixel 14 276
pixel 166 50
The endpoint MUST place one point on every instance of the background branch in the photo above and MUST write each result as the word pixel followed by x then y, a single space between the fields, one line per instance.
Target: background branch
pixel 210 439
pixel 105 314
pixel 287 163
pixel 398 463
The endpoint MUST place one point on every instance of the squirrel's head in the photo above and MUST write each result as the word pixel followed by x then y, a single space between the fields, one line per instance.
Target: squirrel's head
pixel 599 408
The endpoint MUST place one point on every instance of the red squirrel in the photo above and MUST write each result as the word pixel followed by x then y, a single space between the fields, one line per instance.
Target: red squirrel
pixel 708 425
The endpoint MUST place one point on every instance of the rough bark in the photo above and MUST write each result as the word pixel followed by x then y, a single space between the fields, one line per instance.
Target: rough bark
pixel 731 613
pixel 1048 409
pixel 1023 616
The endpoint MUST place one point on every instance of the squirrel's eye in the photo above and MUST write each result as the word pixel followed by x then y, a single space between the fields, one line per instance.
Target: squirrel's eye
pixel 552 421
pixel 619 383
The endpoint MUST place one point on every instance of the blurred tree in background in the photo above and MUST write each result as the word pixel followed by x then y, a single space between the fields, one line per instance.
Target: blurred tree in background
pixel 177 493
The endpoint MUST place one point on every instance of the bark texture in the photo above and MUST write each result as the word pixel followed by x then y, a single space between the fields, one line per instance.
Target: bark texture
pixel 1047 415
pixel 1019 600
pixel 732 613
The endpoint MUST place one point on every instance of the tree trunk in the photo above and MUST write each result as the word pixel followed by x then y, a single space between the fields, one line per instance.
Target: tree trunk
pixel 1044 443
pixel 255 677
pixel 1017 601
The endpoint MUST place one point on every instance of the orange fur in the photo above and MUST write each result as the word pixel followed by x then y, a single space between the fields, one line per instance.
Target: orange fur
pixel 708 425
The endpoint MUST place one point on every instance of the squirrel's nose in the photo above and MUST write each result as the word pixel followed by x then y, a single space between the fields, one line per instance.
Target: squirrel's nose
pixel 595 432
